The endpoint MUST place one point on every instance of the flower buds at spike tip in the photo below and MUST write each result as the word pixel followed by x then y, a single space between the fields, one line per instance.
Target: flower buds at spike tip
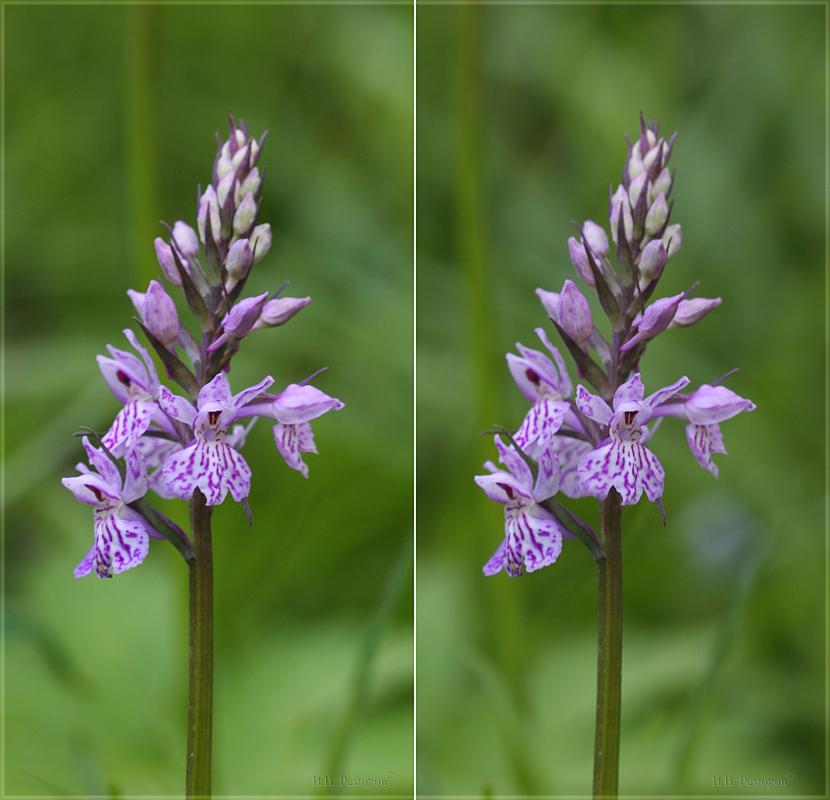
pixel 279 310
pixel 550 302
pixel 691 311
pixel 185 240
pixel 159 315
pixel 260 241
pixel 635 188
pixel 245 215
pixel 209 204
pixel 251 184
pixel 580 261
pixel 661 185
pixel 222 189
pixel 239 262
pixel 620 201
pixel 652 261
pixel 657 214
pixel 575 314
pixel 240 320
pixel 672 239
pixel 656 319
pixel 596 238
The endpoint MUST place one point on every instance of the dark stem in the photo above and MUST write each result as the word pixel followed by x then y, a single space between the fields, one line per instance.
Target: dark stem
pixel 609 655
pixel 200 701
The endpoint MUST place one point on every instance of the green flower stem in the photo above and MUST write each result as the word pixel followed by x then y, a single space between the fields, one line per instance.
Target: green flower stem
pixel 200 701
pixel 609 655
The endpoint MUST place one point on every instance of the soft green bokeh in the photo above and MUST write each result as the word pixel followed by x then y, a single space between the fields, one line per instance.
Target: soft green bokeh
pixel 110 116
pixel 521 115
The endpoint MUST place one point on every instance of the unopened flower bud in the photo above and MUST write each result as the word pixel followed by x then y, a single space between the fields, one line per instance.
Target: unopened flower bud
pixel 260 240
pixel 250 184
pixel 656 217
pixel 239 156
pixel 580 261
pixel 691 311
pixel 223 187
pixel 245 215
pixel 575 313
pixel 138 302
pixel 655 320
pixel 620 201
pixel 209 204
pixel 167 262
pixel 160 315
pixel 672 239
pixel 652 261
pixel 239 261
pixel 595 237
pixel 185 238
pixel 662 184
pixel 224 165
pixel 240 320
pixel 651 155
pixel 635 188
pixel 279 310
pixel 635 163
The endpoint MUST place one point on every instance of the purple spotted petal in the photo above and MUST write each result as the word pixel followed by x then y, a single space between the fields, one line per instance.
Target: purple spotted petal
pixel 132 421
pixel 123 376
pixel 496 563
pixel 547 478
pixel 570 452
pixel 176 407
pixel 631 391
pixel 103 464
pixel 217 391
pixel 703 441
pixel 213 467
pixel 153 384
pixel 87 562
pixel 542 421
pixel 516 464
pixel 135 480
pixel 534 540
pixel 593 407
pixel 627 466
pixel 565 385
pixel 664 394
pixel 291 441
pixel 121 541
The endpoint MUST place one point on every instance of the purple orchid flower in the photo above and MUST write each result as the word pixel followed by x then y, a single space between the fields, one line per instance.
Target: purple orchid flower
pixel 209 463
pixel 135 384
pixel 293 409
pixel 626 463
pixel 121 534
pixel 547 385
pixel 704 409
pixel 532 535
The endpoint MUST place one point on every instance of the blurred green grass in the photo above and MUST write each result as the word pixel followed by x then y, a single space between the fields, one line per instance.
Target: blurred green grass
pixel 110 115
pixel 506 685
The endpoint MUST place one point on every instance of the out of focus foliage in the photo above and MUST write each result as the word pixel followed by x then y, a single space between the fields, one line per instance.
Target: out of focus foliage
pixel 110 116
pixel 521 115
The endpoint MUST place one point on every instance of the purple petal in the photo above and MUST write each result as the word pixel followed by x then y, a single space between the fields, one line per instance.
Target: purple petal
pixel 102 463
pixel 542 421
pixel 217 391
pixel 502 487
pixel 548 476
pixel 121 541
pixel 664 394
pixel 85 567
pixel 534 540
pixel 565 385
pixel 711 404
pixel 123 378
pixel 570 452
pixel 135 480
pixel 177 407
pixel 496 563
pixel 302 404
pixel 291 440
pixel 631 391
pixel 627 466
pixel 516 464
pixel 130 423
pixel 213 467
pixel 91 489
pixel 593 407
pixel 250 393
pixel 703 441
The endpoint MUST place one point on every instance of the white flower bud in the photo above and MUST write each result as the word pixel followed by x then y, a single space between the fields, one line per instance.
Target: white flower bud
pixel 260 241
pixel 656 217
pixel 672 239
pixel 185 239
pixel 245 215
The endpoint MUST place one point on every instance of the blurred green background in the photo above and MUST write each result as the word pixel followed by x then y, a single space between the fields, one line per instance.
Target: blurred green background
pixel 520 123
pixel 110 120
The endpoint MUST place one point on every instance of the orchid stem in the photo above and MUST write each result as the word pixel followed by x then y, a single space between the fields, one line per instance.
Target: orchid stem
pixel 609 654
pixel 200 699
